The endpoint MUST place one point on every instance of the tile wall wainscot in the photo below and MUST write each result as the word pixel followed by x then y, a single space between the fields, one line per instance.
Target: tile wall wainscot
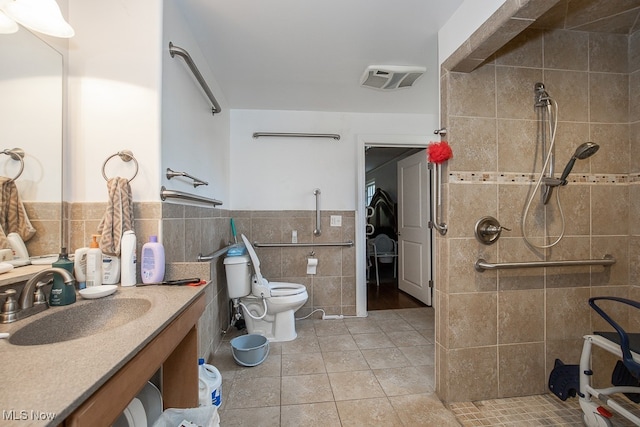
pixel 499 332
pixel 188 231
pixel 46 218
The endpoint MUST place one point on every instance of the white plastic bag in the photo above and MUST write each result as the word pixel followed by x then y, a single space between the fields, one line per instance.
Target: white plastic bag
pixel 204 416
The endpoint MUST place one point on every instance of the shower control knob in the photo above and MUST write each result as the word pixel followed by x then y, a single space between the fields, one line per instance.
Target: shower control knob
pixel 488 229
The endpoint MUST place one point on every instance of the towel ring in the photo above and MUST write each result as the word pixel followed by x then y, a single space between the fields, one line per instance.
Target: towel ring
pixel 16 154
pixel 126 156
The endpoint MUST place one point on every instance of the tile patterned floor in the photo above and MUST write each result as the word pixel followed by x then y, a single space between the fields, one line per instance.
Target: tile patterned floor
pixel 374 371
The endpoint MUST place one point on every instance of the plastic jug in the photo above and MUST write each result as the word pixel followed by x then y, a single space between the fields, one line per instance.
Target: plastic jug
pixel 209 385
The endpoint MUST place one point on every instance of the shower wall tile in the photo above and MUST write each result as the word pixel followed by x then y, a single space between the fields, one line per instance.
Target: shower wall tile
pixel 467 204
pixel 462 256
pixel 610 210
pixel 473 94
pixel 617 311
pixel 634 52
pixel 570 90
pixel 609 98
pixel 479 363
pixel 613 155
pixel 567 313
pixel 566 350
pixel 570 248
pixel 575 200
pixel 634 96
pixel 617 274
pixel 634 211
pixel 569 136
pixel 525 50
pixel 634 144
pixel 566 50
pixel 511 249
pixel 473 320
pixel 511 199
pixel 515 92
pixel 516 145
pixel 608 53
pixel 521 316
pixel 524 362
pixel 473 141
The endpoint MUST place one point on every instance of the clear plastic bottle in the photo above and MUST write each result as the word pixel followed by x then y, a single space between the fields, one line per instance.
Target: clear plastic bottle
pixel 94 263
pixel 152 267
pixel 128 259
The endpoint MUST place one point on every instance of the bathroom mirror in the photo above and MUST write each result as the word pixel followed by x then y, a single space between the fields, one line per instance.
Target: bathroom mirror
pixel 31 84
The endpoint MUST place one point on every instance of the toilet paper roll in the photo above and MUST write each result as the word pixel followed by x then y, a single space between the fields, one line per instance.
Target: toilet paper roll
pixel 312 264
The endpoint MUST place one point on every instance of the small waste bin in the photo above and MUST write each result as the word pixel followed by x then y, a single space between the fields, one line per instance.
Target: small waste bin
pixel 205 416
pixel 250 349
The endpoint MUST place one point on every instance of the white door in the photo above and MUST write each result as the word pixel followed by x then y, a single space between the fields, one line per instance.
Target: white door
pixel 414 235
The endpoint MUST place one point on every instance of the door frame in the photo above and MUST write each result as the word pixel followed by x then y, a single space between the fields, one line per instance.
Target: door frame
pixel 409 141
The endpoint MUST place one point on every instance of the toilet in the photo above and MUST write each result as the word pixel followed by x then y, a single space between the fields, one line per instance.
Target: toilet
pixel 268 307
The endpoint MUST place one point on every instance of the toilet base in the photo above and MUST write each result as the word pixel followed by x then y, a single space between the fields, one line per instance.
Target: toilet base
pixel 279 327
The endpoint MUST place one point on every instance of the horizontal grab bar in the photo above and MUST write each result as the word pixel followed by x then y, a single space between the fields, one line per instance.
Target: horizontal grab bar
pixel 299 135
pixel 482 265
pixel 301 245
pixel 174 194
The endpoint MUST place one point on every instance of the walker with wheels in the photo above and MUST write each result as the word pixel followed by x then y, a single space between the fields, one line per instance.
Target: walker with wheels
pixel 567 380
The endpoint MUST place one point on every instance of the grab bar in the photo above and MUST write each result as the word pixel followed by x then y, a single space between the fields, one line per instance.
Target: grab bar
pixel 436 201
pixel 175 50
pixel 299 135
pixel 317 231
pixel 196 181
pixel 173 194
pixel 292 245
pixel 482 265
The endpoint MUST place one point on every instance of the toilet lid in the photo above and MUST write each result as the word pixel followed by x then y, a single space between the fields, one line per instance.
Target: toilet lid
pixel 254 257
pixel 280 289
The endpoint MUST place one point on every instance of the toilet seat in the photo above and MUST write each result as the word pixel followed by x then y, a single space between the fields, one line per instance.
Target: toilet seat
pixel 279 289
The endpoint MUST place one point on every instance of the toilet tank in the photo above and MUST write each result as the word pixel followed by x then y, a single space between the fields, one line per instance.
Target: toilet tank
pixel 238 276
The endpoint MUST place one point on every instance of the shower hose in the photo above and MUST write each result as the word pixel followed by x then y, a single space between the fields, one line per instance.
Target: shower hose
pixel 553 125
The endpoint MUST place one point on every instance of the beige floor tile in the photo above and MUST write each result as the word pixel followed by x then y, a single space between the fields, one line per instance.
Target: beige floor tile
pixel 254 417
pixel 395 325
pixel 406 380
pixel 344 361
pixel 367 413
pixel 419 355
pixel 362 326
pixel 323 414
pixel 379 315
pixel 254 393
pixel 379 358
pixel 354 385
pixel 367 341
pixel 302 364
pixel 302 344
pixel 337 343
pixel 271 367
pixel 306 389
pixel 423 410
pixel 407 338
pixel 330 327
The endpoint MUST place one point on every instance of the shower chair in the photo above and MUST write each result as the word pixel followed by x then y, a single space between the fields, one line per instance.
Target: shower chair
pixel 565 380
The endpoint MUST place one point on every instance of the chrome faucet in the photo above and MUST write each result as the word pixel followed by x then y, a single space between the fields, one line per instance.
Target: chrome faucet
pixel 32 300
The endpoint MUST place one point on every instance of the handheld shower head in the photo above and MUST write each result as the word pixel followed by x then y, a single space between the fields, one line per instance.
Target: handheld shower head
pixel 584 151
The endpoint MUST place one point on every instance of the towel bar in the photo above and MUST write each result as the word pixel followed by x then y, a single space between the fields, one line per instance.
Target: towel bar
pixel 174 194
pixel 482 265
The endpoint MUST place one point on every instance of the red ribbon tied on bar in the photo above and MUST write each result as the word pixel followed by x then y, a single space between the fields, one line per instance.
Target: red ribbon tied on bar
pixel 439 152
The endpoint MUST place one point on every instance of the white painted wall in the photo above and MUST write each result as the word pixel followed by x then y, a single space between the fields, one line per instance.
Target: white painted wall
pixel 466 19
pixel 193 140
pixel 114 96
pixel 281 173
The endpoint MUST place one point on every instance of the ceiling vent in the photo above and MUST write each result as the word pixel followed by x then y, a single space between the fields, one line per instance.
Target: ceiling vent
pixel 389 77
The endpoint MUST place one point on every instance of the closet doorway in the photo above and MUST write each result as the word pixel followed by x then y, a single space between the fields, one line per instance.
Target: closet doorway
pixel 392 261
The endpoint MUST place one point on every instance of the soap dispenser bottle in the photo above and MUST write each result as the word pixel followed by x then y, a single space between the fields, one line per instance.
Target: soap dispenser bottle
pixel 61 293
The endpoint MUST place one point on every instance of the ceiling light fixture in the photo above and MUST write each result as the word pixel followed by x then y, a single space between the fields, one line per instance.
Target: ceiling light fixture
pixel 43 16
pixel 389 77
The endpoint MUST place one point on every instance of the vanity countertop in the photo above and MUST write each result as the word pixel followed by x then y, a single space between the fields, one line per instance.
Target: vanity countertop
pixel 56 378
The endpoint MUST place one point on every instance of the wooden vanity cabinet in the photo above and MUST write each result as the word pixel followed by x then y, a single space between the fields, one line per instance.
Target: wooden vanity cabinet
pixel 174 350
